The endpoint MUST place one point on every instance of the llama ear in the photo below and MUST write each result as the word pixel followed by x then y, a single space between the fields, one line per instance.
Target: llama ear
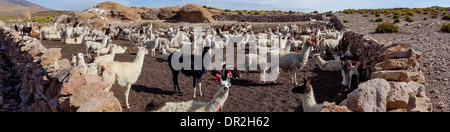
pixel 350 64
pixel 357 64
pixel 218 77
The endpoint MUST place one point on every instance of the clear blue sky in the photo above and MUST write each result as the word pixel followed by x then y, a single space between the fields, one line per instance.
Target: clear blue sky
pixel 286 5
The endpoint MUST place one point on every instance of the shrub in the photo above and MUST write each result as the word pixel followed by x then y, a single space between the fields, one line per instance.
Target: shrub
pixel 409 19
pixel 386 27
pixel 204 6
pixel 434 16
pixel 345 21
pixel 257 13
pixel 377 14
pixel 315 12
pixel 445 27
pixel 349 11
pixel 397 20
pixel 365 15
pixel 5 18
pixel 411 13
pixel 379 19
pixel 396 16
pixel 227 10
pixel 425 18
pixel 240 12
pixel 291 12
pixel 425 12
pixel 446 17
pixel 251 13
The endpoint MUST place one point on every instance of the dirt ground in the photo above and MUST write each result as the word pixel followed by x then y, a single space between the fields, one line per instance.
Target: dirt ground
pixel 155 83
pixel 424 36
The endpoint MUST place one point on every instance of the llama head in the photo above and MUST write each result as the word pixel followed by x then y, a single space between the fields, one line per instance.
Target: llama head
pixel 353 74
pixel 80 55
pixel 143 49
pixel 225 84
pixel 303 88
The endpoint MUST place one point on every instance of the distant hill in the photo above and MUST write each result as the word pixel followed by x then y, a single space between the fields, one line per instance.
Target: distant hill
pixel 15 7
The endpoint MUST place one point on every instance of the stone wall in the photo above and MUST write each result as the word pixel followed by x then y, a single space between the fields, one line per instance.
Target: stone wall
pixel 49 83
pixel 397 82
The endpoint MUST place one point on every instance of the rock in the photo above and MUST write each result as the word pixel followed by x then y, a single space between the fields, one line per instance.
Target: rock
pixel 399 110
pixel 369 96
pixel 419 104
pixel 75 84
pixel 416 89
pixel 195 13
pixel 440 105
pixel 332 107
pixel 169 13
pixel 98 22
pixel 396 64
pixel 150 15
pixel 81 16
pixel 92 98
pixel 398 96
pixel 63 64
pixel 51 55
pixel 399 76
pixel 125 15
pixel 6 106
pixel 25 15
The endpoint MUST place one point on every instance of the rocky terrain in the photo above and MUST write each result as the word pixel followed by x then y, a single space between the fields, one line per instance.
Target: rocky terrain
pixel 16 7
pixel 422 35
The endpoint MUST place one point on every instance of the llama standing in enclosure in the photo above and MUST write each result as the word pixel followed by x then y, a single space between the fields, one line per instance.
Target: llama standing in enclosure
pixel 350 75
pixel 95 46
pixel 309 103
pixel 293 62
pixel 331 65
pixel 114 72
pixel 215 105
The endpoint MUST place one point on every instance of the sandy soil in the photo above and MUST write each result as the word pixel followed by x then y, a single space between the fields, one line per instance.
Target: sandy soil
pixel 424 36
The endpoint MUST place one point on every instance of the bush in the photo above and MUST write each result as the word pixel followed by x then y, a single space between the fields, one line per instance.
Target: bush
pixel 386 27
pixel 425 12
pixel 434 16
pixel 257 13
pixel 5 18
pixel 41 19
pixel 396 16
pixel 410 13
pixel 377 14
pixel 240 12
pixel 204 6
pixel 345 21
pixel 397 20
pixel 291 12
pixel 349 11
pixel 379 19
pixel 227 10
pixel 446 17
pixel 365 15
pixel 409 19
pixel 425 18
pixel 445 27
pixel 315 12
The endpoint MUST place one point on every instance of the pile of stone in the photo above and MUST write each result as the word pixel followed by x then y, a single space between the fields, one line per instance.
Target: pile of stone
pixel 48 83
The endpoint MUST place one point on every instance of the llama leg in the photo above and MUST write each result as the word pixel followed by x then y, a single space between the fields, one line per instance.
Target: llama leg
pixel 110 78
pixel 344 78
pixel 200 86
pixel 295 78
pixel 127 92
pixel 195 86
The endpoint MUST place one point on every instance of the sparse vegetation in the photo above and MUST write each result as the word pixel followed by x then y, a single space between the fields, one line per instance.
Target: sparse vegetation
pixel 291 12
pixel 41 19
pixel 5 18
pixel 204 6
pixel 425 12
pixel 409 19
pixel 227 10
pixel 425 18
pixel 365 15
pixel 397 20
pixel 345 21
pixel 445 27
pixel 379 19
pixel 377 14
pixel 315 12
pixel 446 17
pixel 396 16
pixel 257 13
pixel 386 27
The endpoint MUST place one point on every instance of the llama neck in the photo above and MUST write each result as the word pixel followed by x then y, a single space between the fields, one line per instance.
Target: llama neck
pixel 81 61
pixel 305 53
pixel 139 59
pixel 308 100
pixel 218 100
pixel 104 42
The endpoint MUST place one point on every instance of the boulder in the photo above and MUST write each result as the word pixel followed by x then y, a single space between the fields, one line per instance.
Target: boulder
pixel 64 64
pixel 75 84
pixel 92 98
pixel 396 64
pixel 399 76
pixel 98 22
pixel 419 104
pixel 398 96
pixel 332 107
pixel 195 13
pixel 125 15
pixel 169 13
pixel 51 55
pixel 370 96
pixel 81 16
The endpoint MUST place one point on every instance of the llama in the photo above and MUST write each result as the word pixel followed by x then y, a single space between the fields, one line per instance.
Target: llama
pixel 327 45
pixel 331 65
pixel 251 59
pixel 96 46
pixel 308 100
pixel 104 50
pixel 293 62
pixel 114 72
pixel 350 75
pixel 215 105
pixel 120 49
pixel 92 68
pixel 196 74
pixel 101 61
pixel 73 61
pixel 81 63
